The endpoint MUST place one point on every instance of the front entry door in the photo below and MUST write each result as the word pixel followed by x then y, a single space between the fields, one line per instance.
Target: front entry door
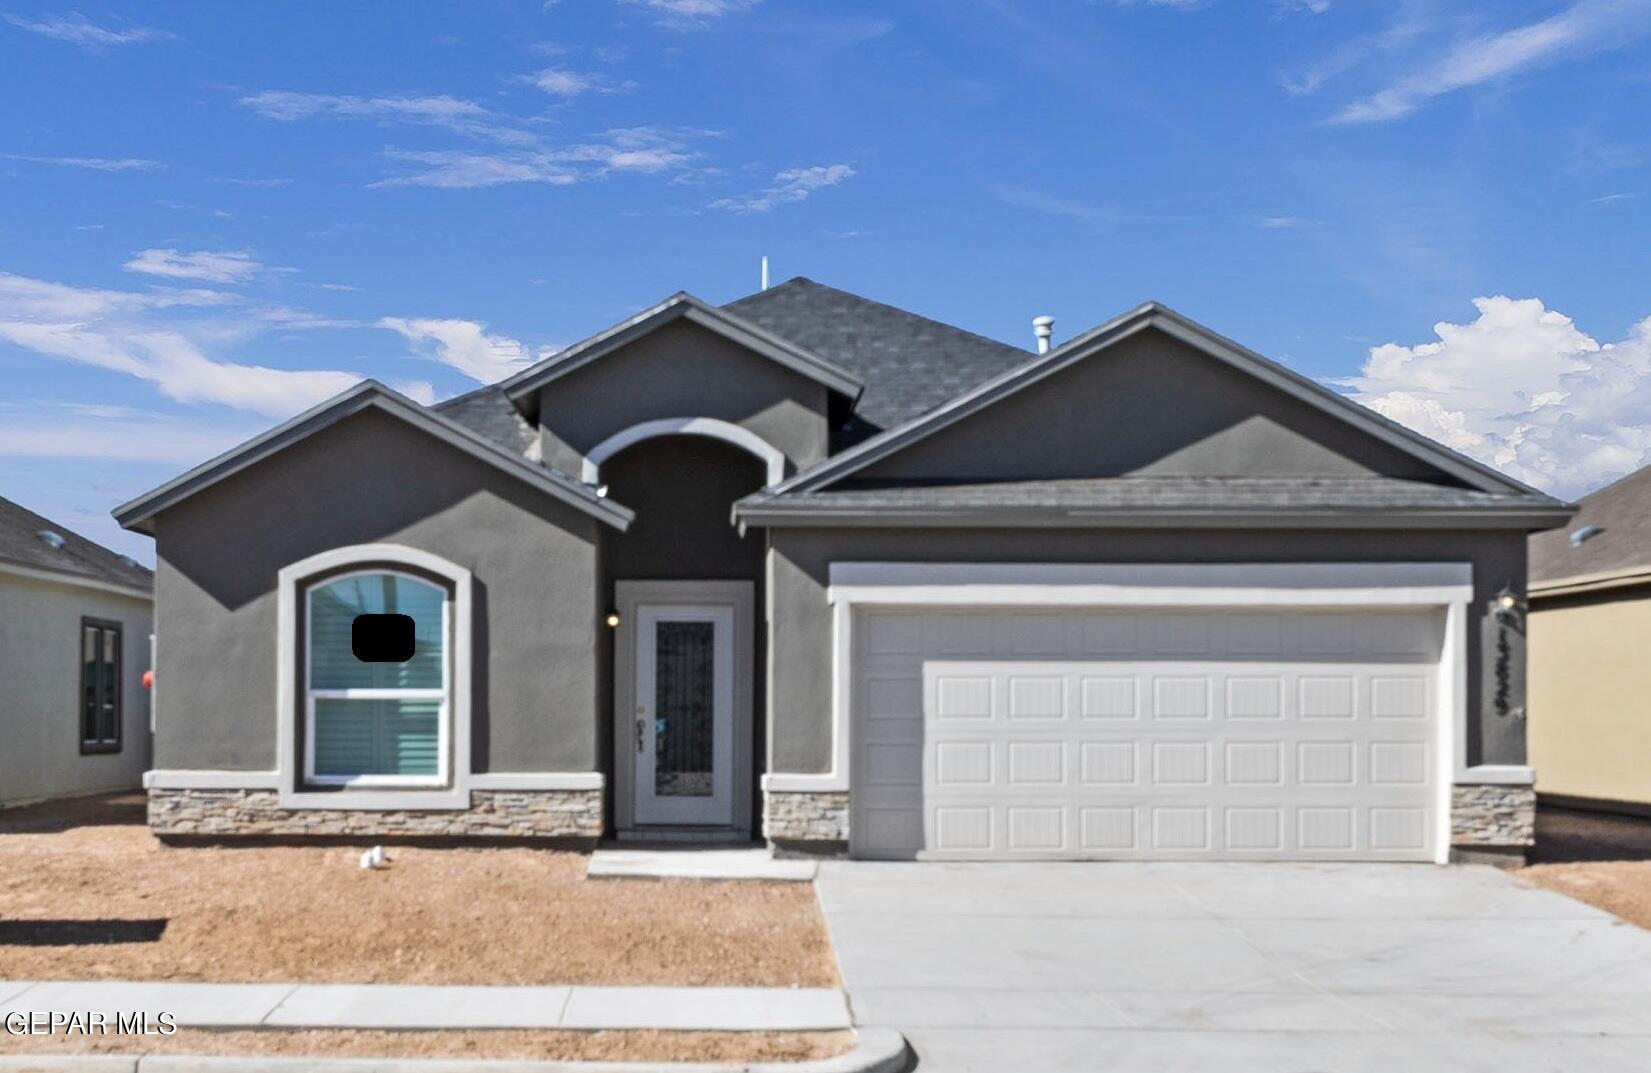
pixel 684 728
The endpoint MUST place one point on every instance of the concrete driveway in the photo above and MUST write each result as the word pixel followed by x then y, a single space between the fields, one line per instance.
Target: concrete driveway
pixel 1274 968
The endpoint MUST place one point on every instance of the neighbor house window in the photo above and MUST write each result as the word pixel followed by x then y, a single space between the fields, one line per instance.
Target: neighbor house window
pixel 99 686
pixel 377 684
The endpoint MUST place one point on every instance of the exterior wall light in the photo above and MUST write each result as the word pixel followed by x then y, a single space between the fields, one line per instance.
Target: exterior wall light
pixel 612 620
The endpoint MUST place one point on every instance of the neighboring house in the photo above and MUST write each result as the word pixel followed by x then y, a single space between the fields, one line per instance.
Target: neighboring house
pixel 813 566
pixel 1590 680
pixel 74 643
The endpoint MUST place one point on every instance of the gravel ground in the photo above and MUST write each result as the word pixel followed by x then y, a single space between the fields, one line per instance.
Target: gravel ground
pixel 562 1046
pixel 1595 858
pixel 86 893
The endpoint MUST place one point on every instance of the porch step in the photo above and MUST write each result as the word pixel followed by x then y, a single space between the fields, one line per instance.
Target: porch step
pixel 696 862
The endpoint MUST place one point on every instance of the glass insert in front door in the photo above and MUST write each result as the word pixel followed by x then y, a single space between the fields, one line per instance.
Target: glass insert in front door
pixel 684 708
pixel 684 714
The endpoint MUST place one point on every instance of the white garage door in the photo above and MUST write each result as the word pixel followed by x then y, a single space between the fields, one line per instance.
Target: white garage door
pixel 1107 734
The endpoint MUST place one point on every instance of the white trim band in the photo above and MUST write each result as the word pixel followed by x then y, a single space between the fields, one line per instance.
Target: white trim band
pixel 186 779
pixel 590 469
pixel 1496 775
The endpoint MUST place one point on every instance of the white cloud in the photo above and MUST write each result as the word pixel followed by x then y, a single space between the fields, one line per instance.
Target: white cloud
pixel 1054 205
pixel 464 345
pixel 222 266
pixel 96 163
pixel 231 180
pixel 120 331
pixel 1410 21
pixel 45 429
pixel 793 185
pixel 1522 388
pixel 687 14
pixel 643 150
pixel 450 113
pixel 77 29
pixel 1585 27
pixel 33 299
pixel 560 82
pixel 457 170
pixel 179 369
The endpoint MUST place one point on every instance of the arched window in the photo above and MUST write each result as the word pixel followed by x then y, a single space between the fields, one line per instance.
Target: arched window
pixel 373 680
pixel 377 680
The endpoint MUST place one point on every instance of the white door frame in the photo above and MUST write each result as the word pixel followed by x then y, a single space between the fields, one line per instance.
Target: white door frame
pixel 641 604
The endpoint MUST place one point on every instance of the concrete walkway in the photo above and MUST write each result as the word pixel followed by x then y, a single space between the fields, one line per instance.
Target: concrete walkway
pixel 1132 968
pixel 733 1009
pixel 697 862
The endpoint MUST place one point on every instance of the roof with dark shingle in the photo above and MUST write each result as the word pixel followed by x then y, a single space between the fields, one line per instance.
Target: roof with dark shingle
pixel 21 544
pixel 488 413
pixel 1153 493
pixel 1622 511
pixel 910 364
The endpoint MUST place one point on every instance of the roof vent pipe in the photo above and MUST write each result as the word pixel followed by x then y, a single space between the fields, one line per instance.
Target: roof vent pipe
pixel 1043 328
pixel 765 273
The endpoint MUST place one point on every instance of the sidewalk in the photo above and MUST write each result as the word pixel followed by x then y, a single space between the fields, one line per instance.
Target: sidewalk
pixel 389 1006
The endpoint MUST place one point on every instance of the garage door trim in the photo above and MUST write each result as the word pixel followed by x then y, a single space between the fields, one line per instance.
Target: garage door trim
pixel 1443 585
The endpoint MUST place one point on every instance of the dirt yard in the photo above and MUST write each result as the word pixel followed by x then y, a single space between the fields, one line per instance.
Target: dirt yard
pixel 87 894
pixel 559 1046
pixel 1602 860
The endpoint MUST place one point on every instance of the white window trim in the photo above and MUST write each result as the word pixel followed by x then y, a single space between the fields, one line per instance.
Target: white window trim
pixel 1444 586
pixel 444 694
pixel 590 469
pixel 292 582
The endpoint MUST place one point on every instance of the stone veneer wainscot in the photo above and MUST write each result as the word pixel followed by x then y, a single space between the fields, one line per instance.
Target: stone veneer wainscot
pixel 1493 816
pixel 558 814
pixel 793 818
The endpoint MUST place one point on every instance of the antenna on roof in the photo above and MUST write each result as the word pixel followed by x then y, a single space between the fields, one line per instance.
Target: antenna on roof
pixel 765 272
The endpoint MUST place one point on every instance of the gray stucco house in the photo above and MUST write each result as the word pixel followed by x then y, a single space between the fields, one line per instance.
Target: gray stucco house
pixel 74 643
pixel 813 567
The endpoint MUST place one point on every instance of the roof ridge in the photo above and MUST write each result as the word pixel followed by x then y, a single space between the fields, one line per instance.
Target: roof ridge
pixel 883 305
pixel 439 403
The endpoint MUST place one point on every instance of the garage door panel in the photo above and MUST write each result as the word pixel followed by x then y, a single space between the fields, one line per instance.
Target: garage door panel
pixel 1250 696
pixel 1035 696
pixel 961 696
pixel 1110 697
pixel 1127 734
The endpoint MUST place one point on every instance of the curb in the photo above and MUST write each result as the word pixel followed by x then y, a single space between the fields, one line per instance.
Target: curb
pixel 875 1050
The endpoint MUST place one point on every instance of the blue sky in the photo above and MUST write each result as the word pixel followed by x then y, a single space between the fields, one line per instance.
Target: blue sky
pixel 217 215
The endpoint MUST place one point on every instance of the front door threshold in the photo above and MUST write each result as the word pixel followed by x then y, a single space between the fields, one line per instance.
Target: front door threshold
pixel 684 833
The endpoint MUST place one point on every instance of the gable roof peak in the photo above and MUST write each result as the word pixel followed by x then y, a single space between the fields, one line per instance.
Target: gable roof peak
pixel 522 389
pixel 137 514
pixel 1155 314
